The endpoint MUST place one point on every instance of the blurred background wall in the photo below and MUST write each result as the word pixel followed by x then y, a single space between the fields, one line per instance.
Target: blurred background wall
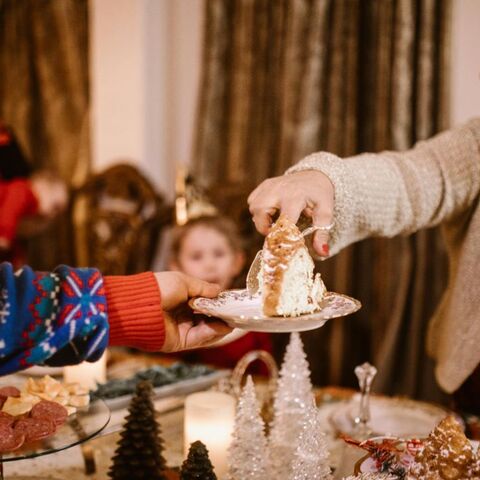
pixel 145 60
pixel 465 72
pixel 180 61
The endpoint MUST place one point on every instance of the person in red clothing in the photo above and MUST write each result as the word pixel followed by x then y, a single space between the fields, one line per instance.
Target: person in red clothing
pixel 38 197
pixel 210 248
pixel 17 200
pixel 13 162
pixel 36 200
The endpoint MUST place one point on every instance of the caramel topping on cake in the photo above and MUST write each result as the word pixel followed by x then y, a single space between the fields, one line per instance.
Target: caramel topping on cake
pixel 447 455
pixel 281 244
pixel 287 281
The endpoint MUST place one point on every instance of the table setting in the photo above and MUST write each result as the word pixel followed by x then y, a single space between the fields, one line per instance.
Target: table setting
pixel 211 417
pixel 174 420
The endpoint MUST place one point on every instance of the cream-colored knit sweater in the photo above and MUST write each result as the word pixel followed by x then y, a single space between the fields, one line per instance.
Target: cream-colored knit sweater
pixel 392 193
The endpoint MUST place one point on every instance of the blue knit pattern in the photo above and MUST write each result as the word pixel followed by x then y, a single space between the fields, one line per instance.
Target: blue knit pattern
pixel 52 318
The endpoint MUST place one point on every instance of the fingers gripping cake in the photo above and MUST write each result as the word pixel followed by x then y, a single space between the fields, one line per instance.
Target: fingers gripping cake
pixel 287 283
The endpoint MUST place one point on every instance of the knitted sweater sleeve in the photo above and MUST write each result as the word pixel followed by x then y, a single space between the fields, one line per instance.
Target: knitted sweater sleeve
pixel 71 314
pixel 393 193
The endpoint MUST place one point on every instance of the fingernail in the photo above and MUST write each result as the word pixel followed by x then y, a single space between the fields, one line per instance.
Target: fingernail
pixel 325 248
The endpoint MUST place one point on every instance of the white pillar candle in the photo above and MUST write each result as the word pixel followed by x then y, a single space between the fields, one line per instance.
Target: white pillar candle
pixel 87 374
pixel 210 418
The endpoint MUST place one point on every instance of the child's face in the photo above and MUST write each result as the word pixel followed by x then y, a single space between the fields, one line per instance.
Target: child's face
pixel 205 253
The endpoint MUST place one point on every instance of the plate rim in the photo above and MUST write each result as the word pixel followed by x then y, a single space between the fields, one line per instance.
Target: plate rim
pixel 211 313
pixel 396 399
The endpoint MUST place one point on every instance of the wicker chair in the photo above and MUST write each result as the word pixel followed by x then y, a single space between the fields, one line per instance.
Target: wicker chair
pixel 117 217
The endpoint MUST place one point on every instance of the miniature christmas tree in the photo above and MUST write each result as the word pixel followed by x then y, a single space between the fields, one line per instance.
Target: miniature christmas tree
pixel 294 394
pixel 248 451
pixel 311 457
pixel 197 465
pixel 139 451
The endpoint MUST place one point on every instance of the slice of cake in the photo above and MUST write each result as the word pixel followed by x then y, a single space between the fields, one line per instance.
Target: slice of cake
pixel 286 280
pixel 447 454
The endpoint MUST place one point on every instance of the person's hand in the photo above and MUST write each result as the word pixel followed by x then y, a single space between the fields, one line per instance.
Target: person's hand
pixel 308 192
pixel 183 329
pixel 5 243
pixel 51 194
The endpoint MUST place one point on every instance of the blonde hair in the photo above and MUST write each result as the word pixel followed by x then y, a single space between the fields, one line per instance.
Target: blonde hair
pixel 221 224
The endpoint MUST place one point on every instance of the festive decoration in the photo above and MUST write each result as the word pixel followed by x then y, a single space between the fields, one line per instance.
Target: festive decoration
pixel 294 395
pixel 190 200
pixel 387 454
pixel 248 451
pixel 139 452
pixel 311 457
pixel 371 476
pixel 447 453
pixel 197 465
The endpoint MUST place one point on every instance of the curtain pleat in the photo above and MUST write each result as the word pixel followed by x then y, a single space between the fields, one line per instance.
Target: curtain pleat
pixel 44 96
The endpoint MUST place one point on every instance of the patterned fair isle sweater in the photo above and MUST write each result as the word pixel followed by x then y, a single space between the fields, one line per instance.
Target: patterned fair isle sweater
pixel 72 314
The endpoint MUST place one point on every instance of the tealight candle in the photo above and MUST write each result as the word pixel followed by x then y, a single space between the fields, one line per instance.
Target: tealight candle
pixel 87 374
pixel 210 418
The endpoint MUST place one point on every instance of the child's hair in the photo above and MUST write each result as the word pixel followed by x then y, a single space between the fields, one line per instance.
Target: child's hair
pixel 221 224
pixel 13 162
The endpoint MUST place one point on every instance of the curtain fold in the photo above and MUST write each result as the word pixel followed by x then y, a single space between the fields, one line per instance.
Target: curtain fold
pixel 44 96
pixel 282 79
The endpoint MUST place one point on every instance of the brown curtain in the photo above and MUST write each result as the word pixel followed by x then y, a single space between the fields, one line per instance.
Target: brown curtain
pixel 286 78
pixel 44 95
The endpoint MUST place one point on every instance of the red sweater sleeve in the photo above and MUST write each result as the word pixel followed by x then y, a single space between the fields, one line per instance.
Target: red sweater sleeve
pixel 135 311
pixel 16 200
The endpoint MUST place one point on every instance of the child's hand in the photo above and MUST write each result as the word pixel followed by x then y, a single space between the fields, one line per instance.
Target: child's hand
pixel 183 329
pixel 51 194
pixel 5 243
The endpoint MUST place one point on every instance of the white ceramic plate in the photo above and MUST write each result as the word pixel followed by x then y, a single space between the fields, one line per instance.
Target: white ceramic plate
pixel 391 417
pixel 235 334
pixel 241 310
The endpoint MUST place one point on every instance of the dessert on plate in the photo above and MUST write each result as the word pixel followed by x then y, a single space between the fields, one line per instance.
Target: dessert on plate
pixel 446 454
pixel 286 279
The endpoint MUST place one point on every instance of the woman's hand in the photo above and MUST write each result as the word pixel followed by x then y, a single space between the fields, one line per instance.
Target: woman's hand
pixel 183 329
pixel 309 192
